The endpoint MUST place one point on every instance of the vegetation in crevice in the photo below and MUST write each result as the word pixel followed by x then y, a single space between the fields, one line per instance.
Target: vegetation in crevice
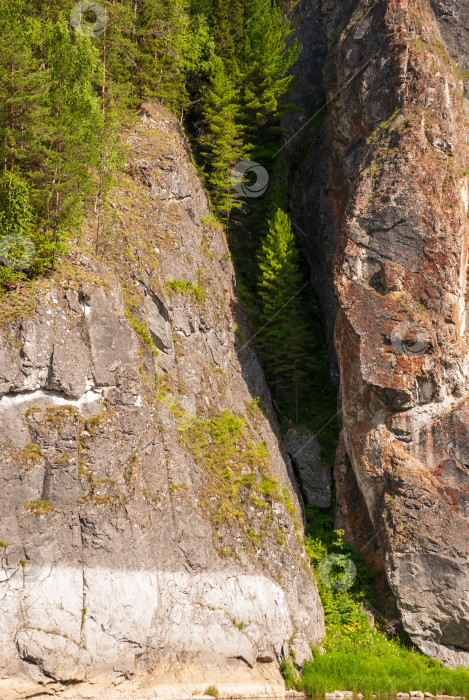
pixel 29 455
pixel 195 291
pixel 357 653
pixel 39 506
pixel 240 489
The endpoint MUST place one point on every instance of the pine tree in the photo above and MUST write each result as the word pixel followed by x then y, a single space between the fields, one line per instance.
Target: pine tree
pixel 227 22
pixel 266 61
pixel 16 219
pixel 163 37
pixel 285 339
pixel 220 138
pixel 23 85
pixel 73 139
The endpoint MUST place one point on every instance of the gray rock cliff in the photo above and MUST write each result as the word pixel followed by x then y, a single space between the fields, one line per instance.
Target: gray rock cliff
pixel 147 517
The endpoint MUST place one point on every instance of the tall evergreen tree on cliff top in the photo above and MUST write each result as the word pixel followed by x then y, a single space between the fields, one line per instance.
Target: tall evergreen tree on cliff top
pixel 163 37
pixel 284 337
pixel 220 138
pixel 227 22
pixel 23 86
pixel 265 64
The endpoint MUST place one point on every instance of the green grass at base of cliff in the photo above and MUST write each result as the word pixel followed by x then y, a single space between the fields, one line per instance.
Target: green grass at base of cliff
pixel 366 661
pixel 358 656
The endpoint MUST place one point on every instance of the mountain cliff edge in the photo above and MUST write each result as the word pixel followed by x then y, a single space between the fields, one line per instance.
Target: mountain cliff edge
pixel 150 534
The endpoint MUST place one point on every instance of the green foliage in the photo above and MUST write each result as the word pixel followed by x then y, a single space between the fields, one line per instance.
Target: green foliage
pixel 162 35
pixel 141 328
pixel 289 674
pixel 240 625
pixel 241 102
pixel 228 24
pixel 30 454
pixel 358 656
pixel 241 487
pixel 220 136
pixel 212 690
pixel 39 506
pixel 15 204
pixel 196 292
pixel 265 77
pixel 57 141
pixel 284 337
pixel 64 93
pixel 366 661
pixel 16 218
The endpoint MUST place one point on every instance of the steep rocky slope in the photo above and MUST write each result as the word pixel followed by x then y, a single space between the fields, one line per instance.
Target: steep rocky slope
pixel 148 524
pixel 381 194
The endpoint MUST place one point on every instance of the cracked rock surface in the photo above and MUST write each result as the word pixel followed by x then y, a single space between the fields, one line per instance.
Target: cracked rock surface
pixel 382 198
pixel 121 552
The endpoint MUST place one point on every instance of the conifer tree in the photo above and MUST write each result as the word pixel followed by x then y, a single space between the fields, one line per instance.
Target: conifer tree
pixel 163 36
pixel 265 66
pixel 220 138
pixel 227 22
pixel 73 139
pixel 284 335
pixel 16 218
pixel 22 86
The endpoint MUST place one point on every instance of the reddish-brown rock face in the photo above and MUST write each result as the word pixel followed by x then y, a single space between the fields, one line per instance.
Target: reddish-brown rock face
pixel 396 188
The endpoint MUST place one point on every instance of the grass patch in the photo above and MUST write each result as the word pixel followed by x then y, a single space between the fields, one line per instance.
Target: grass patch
pixel 366 661
pixel 212 690
pixel 141 329
pixel 196 292
pixel 240 625
pixel 18 304
pixel 290 675
pixel 58 416
pixel 212 221
pixel 357 656
pixel 39 507
pixel 241 488
pixel 29 456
